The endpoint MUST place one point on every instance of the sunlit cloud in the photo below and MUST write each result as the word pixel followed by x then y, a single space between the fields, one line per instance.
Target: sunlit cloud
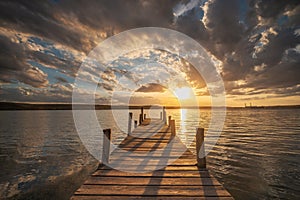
pixel 254 45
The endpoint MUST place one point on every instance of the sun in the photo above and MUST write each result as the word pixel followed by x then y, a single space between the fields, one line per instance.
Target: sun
pixel 183 93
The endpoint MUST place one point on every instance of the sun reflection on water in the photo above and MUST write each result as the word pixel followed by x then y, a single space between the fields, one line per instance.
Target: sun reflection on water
pixel 183 128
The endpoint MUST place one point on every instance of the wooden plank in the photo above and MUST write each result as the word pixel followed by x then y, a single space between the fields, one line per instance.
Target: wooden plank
pixel 155 140
pixel 157 155
pixel 142 169
pixel 165 150
pixel 137 180
pixel 150 156
pixel 148 148
pixel 168 173
pixel 168 168
pixel 120 152
pixel 113 197
pixel 190 190
pixel 152 162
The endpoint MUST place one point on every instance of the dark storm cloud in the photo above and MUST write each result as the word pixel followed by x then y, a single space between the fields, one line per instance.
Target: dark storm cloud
pixel 120 14
pixel 13 65
pixel 255 40
pixel 73 25
pixel 261 49
pixel 40 18
pixel 222 21
pixel 192 26
pixel 272 8
pixel 54 21
pixel 152 87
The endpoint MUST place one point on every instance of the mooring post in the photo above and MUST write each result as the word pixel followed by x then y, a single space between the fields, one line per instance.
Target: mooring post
pixel 160 116
pixel 129 123
pixel 106 145
pixel 142 113
pixel 200 149
pixel 135 123
pixel 169 120
pixel 144 116
pixel 140 119
pixel 164 115
pixel 173 129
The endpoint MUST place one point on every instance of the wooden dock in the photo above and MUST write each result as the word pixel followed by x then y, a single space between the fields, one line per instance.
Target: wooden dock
pixel 151 163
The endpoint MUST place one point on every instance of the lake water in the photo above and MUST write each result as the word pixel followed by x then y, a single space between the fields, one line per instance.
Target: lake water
pixel 256 157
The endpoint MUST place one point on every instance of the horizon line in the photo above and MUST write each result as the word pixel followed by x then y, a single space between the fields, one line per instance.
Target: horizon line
pixel 4 105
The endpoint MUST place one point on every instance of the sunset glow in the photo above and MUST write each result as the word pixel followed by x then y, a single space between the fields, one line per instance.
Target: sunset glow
pixel 39 66
pixel 112 99
pixel 183 93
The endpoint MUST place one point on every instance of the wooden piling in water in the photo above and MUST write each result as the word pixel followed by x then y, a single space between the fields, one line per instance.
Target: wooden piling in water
pixel 129 123
pixel 106 146
pixel 173 129
pixel 144 116
pixel 135 123
pixel 169 120
pixel 181 179
pixel 140 119
pixel 142 113
pixel 164 115
pixel 160 115
pixel 200 149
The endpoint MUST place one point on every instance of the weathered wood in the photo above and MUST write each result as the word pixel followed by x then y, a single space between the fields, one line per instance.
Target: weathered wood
pixel 134 197
pixel 152 145
pixel 135 123
pixel 160 115
pixel 159 154
pixel 145 116
pixel 129 123
pixel 160 174
pixel 201 160
pixel 164 115
pixel 173 128
pixel 169 120
pixel 140 119
pixel 106 145
pixel 172 168
pixel 142 113
pixel 158 190
pixel 125 180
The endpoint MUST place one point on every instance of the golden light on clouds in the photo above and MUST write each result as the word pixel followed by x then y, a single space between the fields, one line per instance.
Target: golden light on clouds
pixel 178 96
pixel 183 93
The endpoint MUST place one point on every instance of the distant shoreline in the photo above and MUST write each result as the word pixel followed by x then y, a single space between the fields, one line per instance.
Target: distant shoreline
pixel 68 106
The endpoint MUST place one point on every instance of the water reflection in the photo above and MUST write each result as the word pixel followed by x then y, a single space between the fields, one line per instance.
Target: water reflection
pixel 32 137
pixel 183 128
pixel 37 148
pixel 257 155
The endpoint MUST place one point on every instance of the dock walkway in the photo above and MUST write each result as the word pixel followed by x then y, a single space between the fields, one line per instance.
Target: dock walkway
pixel 151 163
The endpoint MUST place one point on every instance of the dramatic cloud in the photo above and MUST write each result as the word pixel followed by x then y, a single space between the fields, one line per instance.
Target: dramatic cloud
pixel 152 87
pixel 255 44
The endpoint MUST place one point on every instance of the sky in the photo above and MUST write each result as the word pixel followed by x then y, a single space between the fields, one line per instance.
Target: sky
pixel 254 44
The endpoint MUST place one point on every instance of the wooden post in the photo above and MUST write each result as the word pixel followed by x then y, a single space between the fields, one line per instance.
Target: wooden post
pixel 164 115
pixel 106 146
pixel 169 120
pixel 140 119
pixel 160 115
pixel 129 123
pixel 135 123
pixel 142 113
pixel 173 129
pixel 144 116
pixel 201 160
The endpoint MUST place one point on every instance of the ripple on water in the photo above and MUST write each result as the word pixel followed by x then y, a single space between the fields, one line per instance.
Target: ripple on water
pixel 256 156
